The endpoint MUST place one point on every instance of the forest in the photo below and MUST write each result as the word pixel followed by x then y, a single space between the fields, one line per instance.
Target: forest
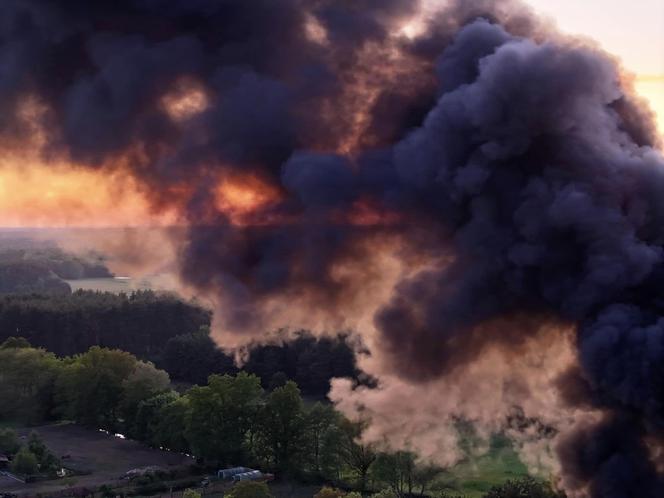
pixel 231 420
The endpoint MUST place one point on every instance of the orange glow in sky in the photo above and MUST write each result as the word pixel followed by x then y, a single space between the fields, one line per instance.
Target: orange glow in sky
pixel 38 195
pixel 239 197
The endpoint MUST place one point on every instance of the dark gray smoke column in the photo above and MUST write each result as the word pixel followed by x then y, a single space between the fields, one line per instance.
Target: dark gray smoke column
pixel 511 161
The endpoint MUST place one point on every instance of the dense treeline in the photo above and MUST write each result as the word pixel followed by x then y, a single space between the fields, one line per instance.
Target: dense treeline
pixel 26 278
pixel 169 332
pixel 230 421
pixel 140 322
pixel 310 361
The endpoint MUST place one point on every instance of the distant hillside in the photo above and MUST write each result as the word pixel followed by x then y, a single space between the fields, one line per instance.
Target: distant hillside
pixel 21 277
pixel 28 266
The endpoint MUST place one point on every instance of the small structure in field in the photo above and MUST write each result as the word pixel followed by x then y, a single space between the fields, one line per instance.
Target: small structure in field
pixel 251 475
pixel 228 474
pixel 4 461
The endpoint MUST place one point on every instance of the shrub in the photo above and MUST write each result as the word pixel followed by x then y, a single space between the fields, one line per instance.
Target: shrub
pixel 8 441
pixel 327 492
pixel 249 489
pixel 24 462
pixel 524 488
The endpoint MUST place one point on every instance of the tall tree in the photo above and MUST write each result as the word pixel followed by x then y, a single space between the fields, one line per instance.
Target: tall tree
pixel 355 454
pixel 27 382
pixel 144 382
pixel 396 470
pixel 282 427
pixel 220 416
pixel 318 420
pixel 91 386
pixel 169 428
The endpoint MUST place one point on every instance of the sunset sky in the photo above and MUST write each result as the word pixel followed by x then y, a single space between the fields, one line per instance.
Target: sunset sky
pixel 37 195
pixel 633 31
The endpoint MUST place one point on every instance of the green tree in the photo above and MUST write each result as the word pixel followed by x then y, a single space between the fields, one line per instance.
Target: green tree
pixel 425 475
pixel 249 489
pixel 193 357
pixel 220 416
pixel 327 492
pixel 27 383
pixel 355 454
pixel 24 462
pixel 143 383
pixel 148 417
pixel 45 459
pixel 169 428
pixel 91 387
pixel 8 441
pixel 15 343
pixel 331 458
pixel 318 419
pixel 190 493
pixel 282 427
pixel 396 470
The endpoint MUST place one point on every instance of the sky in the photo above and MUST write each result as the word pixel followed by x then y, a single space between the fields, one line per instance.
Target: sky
pixel 632 30
pixel 38 195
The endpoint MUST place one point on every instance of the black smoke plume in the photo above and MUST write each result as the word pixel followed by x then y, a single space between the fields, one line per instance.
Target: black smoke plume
pixel 511 168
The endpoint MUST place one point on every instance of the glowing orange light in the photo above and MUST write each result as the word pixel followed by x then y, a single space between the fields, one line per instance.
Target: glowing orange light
pixel 242 198
pixel 39 195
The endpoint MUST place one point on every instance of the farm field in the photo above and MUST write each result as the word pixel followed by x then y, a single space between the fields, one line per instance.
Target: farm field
pixel 102 457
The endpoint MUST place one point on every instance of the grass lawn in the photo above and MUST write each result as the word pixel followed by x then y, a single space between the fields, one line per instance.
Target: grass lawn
pixel 473 477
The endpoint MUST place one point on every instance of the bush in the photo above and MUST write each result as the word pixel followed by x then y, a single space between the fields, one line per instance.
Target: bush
pixel 249 489
pixel 327 492
pixel 524 488
pixel 8 441
pixel 106 491
pixel 190 493
pixel 24 462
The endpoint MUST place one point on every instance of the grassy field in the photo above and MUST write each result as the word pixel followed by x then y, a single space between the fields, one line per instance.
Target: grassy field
pixel 474 476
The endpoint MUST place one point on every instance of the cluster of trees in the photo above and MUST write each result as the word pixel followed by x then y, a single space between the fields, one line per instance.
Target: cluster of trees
pixel 25 278
pixel 140 322
pixel 310 361
pixel 30 458
pixel 230 421
pixel 169 332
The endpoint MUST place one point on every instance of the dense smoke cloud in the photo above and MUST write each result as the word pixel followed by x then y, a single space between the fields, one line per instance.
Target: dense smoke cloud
pixel 468 192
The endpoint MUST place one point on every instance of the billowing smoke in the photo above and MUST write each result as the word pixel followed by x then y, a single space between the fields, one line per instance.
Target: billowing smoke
pixel 463 198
